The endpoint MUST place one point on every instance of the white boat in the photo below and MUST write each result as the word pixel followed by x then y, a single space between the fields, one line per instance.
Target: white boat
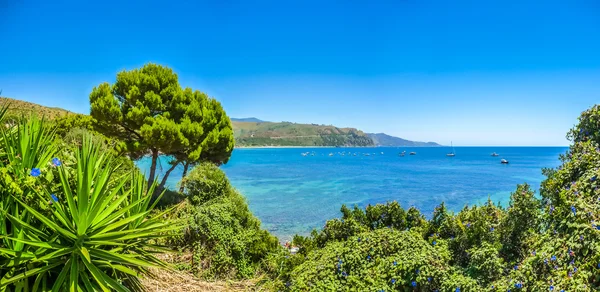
pixel 413 153
pixel 330 154
pixel 503 161
pixel 495 154
pixel 452 154
pixel 381 153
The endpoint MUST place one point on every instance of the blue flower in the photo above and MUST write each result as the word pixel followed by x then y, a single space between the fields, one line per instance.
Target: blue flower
pixel 553 258
pixel 344 274
pixel 56 161
pixel 593 178
pixel 417 271
pixel 35 172
pixel 575 270
pixel 395 263
pixel 551 287
pixel 54 198
pixel 428 279
pixel 368 257
pixel 434 242
pixel 393 281
pixel 516 267
pixel 414 284
pixel 468 224
pixel 573 210
pixel 492 229
pixel 519 285
pixel 457 289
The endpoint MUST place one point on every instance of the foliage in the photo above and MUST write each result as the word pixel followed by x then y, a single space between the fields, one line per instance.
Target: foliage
pixel 148 111
pixel 70 122
pixel 226 239
pixel 69 223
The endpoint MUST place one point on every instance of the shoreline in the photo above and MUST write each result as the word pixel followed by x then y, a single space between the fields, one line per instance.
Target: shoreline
pixel 265 147
pixel 441 146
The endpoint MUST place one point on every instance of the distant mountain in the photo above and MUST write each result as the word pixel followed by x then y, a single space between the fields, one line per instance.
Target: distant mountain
pixel 248 134
pixel 381 139
pixel 250 120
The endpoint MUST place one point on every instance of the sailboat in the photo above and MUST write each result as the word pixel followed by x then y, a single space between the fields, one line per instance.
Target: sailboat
pixel 451 154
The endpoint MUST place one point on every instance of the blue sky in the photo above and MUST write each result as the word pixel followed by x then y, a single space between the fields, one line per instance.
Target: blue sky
pixel 471 72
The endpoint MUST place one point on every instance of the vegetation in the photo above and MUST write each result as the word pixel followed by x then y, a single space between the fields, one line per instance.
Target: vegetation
pixel 148 111
pixel 71 220
pixel 77 215
pixel 223 235
pixel 18 108
pixel 292 134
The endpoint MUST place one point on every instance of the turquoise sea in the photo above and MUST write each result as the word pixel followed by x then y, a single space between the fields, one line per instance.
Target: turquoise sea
pixel 292 194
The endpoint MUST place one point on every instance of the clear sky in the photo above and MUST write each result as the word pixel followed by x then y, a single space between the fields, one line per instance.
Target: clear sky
pixel 472 72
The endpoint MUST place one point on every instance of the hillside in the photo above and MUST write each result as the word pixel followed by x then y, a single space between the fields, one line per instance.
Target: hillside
pixel 292 134
pixel 19 107
pixel 381 139
pixel 251 131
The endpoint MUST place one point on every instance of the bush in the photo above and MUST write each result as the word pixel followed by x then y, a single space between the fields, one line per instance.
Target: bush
pixel 71 224
pixel 205 183
pixel 225 237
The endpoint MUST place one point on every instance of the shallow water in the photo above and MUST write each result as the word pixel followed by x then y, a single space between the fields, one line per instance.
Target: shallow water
pixel 292 194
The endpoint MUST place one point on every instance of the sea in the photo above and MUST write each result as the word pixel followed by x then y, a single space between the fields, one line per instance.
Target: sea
pixel 294 194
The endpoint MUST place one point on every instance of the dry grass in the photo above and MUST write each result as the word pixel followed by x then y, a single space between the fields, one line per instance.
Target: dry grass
pixel 20 107
pixel 175 281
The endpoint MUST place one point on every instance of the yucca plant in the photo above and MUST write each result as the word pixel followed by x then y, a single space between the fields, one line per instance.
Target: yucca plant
pixel 74 225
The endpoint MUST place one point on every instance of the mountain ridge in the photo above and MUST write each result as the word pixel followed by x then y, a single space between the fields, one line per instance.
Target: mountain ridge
pixel 382 139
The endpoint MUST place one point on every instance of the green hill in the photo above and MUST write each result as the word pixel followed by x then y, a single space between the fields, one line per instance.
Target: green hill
pixel 248 134
pixel 18 108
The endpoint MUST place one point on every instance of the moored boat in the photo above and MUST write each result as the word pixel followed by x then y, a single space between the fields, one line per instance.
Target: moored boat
pixel 503 161
pixel 495 154
pixel 451 154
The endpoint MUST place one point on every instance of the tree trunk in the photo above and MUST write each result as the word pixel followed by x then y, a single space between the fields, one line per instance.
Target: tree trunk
pixel 185 170
pixel 164 179
pixel 152 176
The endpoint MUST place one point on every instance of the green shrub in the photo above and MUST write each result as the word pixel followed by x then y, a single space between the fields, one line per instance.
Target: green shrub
pixel 205 183
pixel 70 224
pixel 226 239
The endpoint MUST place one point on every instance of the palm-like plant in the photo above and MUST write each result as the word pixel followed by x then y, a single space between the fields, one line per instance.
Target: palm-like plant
pixel 72 226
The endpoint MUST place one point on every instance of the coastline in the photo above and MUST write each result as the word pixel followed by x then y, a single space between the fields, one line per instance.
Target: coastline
pixel 267 147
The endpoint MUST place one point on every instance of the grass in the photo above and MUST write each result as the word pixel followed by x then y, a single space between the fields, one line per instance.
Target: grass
pixel 18 108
